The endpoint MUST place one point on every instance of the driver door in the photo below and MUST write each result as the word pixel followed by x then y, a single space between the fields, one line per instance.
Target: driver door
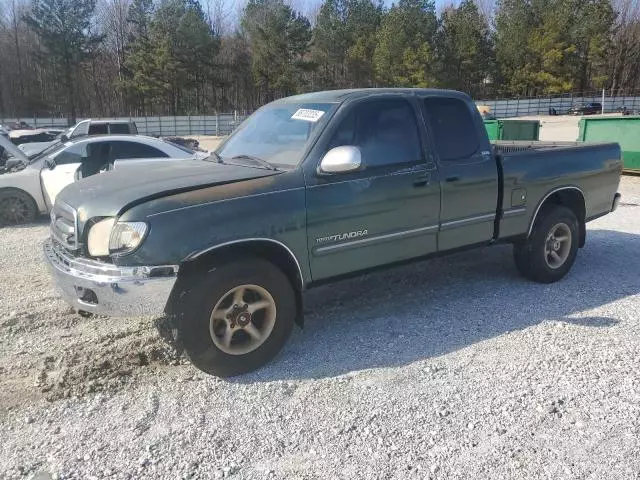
pixel 65 164
pixel 385 212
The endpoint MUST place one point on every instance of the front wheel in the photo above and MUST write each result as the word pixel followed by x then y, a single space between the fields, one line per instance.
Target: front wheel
pixel 237 317
pixel 16 207
pixel 550 251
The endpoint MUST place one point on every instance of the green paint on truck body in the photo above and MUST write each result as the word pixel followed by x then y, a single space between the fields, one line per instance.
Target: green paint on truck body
pixel 344 223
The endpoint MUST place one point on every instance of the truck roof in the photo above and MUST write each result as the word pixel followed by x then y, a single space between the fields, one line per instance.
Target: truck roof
pixel 100 122
pixel 337 96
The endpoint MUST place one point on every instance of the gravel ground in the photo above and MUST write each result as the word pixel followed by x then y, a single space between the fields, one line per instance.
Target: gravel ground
pixel 452 368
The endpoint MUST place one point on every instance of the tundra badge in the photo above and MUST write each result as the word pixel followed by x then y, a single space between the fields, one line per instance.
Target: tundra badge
pixel 342 236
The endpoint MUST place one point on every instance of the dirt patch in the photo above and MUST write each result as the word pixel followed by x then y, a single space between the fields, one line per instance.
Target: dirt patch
pixel 108 365
pixel 80 355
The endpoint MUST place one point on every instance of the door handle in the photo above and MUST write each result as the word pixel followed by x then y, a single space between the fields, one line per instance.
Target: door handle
pixel 452 179
pixel 422 180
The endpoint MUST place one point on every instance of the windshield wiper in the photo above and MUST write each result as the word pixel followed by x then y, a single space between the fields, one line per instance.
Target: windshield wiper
pixel 255 159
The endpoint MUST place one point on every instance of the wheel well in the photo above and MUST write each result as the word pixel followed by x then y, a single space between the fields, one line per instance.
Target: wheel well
pixel 573 199
pixel 14 189
pixel 273 252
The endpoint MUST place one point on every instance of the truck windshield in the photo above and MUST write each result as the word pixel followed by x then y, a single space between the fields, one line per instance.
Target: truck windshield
pixel 277 133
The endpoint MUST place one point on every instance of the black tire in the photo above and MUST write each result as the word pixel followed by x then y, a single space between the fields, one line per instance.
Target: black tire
pixel 530 257
pixel 198 304
pixel 16 207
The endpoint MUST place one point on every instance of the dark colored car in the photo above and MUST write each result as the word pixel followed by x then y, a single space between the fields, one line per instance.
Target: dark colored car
pixel 592 108
pixel 311 189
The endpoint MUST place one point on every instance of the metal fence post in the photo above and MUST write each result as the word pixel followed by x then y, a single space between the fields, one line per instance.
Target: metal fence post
pixel 217 125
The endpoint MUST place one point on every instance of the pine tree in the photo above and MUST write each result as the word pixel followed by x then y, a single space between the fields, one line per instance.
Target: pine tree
pixel 464 48
pixel 65 31
pixel 279 39
pixel 405 52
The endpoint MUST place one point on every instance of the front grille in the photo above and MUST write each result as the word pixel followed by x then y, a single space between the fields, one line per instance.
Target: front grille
pixel 82 266
pixel 64 226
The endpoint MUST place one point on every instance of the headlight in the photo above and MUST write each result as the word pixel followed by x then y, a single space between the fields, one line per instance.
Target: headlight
pixel 126 237
pixel 98 239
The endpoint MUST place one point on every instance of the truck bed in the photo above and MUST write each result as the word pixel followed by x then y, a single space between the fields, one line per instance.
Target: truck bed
pixel 534 169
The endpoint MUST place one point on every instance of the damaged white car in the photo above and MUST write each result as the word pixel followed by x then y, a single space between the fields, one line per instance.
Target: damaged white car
pixel 28 187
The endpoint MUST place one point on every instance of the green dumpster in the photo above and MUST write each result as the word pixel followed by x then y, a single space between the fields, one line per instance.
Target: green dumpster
pixel 493 129
pixel 512 129
pixel 624 130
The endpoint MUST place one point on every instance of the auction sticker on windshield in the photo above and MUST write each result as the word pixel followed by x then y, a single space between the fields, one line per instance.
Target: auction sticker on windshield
pixel 307 114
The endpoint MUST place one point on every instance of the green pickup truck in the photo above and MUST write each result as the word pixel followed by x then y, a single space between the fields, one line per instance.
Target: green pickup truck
pixel 310 189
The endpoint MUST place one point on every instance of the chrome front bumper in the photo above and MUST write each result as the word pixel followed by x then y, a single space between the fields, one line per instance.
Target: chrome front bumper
pixel 107 289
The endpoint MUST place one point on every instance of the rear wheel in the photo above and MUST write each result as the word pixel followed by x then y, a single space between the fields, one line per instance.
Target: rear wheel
pixel 550 251
pixel 16 207
pixel 237 318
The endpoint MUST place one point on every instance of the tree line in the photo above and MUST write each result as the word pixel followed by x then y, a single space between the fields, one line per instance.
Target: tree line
pixel 179 57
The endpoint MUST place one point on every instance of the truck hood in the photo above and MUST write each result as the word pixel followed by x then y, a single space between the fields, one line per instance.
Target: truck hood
pixel 110 193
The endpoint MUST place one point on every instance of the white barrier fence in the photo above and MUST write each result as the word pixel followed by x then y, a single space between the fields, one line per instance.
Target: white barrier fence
pixel 518 107
pixel 225 123
pixel 220 124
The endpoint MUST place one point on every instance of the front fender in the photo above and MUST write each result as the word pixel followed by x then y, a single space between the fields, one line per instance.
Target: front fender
pixel 180 234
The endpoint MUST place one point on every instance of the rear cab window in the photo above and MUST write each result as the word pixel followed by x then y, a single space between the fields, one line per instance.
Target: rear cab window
pixel 120 128
pixel 453 128
pixel 98 129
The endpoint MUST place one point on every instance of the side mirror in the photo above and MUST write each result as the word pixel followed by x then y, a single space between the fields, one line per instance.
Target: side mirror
pixel 341 160
pixel 50 164
pixel 63 138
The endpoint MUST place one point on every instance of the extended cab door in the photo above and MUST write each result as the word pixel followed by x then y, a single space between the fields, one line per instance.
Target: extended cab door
pixel 468 172
pixel 385 212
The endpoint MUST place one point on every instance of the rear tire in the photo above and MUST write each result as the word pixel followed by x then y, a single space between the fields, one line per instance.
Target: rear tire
pixel 16 207
pixel 237 317
pixel 550 251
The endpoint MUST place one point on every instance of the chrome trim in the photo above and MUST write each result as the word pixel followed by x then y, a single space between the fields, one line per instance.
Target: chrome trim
pixel 466 221
pixel 375 239
pixel 61 207
pixel 342 159
pixel 513 212
pixel 225 199
pixel 535 213
pixel 117 291
pixel 415 169
pixel 103 271
pixel 194 255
